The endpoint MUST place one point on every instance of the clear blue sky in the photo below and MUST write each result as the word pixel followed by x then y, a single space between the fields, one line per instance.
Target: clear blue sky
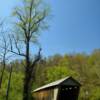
pixel 75 26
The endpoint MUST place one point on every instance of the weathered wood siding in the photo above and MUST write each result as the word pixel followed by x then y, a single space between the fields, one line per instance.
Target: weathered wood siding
pixel 44 95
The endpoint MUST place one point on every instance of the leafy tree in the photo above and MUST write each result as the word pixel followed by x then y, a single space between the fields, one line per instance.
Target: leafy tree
pixel 16 85
pixel 31 17
pixel 58 72
pixel 95 94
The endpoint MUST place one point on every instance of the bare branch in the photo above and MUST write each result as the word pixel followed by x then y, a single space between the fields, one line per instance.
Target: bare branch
pixel 21 54
pixel 20 16
pixel 38 57
pixel 16 45
pixel 10 40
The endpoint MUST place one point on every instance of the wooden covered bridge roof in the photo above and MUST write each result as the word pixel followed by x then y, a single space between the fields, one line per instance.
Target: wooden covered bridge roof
pixel 65 81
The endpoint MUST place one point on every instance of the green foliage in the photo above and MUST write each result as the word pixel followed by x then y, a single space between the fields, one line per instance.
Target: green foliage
pixel 30 19
pixel 15 88
pixel 84 68
pixel 58 72
pixel 95 95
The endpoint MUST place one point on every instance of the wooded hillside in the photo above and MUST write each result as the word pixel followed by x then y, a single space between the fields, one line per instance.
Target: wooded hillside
pixel 83 67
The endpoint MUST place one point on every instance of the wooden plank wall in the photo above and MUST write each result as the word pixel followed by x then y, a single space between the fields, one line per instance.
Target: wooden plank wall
pixel 44 95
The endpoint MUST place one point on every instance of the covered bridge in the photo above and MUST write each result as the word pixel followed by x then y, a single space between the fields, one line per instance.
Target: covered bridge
pixel 64 89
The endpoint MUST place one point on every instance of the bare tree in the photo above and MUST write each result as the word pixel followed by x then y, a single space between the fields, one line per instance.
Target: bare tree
pixel 31 18
pixel 4 53
pixel 3 57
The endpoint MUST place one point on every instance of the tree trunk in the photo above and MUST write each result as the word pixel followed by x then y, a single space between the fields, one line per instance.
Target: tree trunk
pixel 26 90
pixel 9 82
pixel 4 65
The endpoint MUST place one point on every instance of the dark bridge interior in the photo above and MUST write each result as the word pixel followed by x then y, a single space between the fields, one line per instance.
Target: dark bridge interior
pixel 68 93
